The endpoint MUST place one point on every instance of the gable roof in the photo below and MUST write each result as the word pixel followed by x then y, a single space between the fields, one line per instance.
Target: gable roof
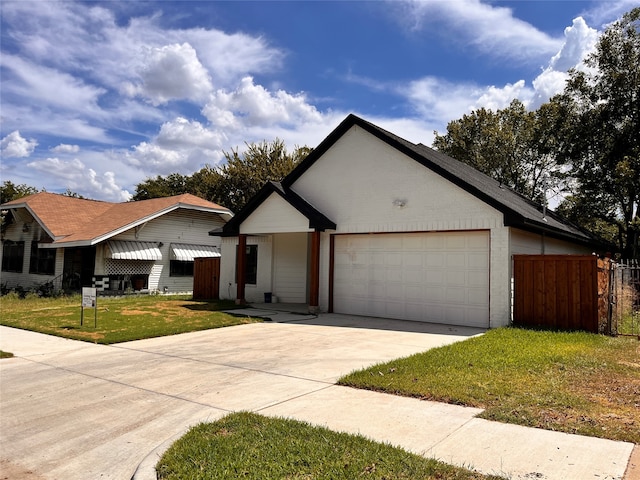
pixel 518 210
pixel 74 221
pixel 317 220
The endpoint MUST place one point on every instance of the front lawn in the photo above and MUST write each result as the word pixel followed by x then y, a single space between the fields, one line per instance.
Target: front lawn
pixel 119 319
pixel 571 382
pixel 251 446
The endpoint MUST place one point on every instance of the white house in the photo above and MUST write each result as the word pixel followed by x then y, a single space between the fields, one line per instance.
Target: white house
pixel 371 224
pixel 148 245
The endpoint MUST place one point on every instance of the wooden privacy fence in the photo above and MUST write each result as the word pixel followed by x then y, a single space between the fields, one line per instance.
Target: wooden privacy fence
pixel 567 292
pixel 206 278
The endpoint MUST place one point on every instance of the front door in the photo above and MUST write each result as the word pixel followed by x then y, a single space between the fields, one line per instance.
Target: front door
pixel 79 265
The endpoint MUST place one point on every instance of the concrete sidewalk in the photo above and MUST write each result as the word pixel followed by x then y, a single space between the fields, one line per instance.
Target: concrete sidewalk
pixel 74 410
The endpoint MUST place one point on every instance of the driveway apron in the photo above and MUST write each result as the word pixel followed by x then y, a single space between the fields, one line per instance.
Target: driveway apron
pixel 72 410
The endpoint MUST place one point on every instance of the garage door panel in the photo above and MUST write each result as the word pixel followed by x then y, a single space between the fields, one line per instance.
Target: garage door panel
pixel 477 296
pixel 455 260
pixel 434 277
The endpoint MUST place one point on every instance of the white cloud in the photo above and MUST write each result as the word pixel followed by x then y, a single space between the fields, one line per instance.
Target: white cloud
pixel 601 14
pixel 185 133
pixel 171 72
pixel 491 29
pixel 251 104
pixel 181 145
pixel 14 145
pixel 580 40
pixel 79 178
pixel 495 98
pixel 439 101
pixel 44 86
pixel 65 148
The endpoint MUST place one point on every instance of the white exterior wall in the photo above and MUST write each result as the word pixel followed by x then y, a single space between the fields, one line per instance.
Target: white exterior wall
pixel 229 287
pixel 290 262
pixel 15 233
pixel 366 194
pixel 525 243
pixel 275 215
pixel 179 226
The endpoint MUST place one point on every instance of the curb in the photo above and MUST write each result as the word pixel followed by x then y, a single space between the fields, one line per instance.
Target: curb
pixel 147 468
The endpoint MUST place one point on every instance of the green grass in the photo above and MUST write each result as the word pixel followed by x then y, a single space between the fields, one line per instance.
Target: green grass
pixel 251 446
pixel 119 319
pixel 571 382
pixel 5 354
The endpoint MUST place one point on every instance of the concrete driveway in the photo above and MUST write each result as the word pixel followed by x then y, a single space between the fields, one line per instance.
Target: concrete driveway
pixel 73 410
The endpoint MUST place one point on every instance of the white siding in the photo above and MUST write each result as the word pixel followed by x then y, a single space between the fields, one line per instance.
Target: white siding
pixel 179 226
pixel 275 215
pixel 525 243
pixel 290 267
pixel 228 286
pixel 15 233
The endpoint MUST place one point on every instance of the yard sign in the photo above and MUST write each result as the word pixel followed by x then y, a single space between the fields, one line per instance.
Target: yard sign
pixel 89 300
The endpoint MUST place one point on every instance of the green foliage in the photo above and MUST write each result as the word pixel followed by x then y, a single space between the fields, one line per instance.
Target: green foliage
pixel 585 142
pixel 10 191
pixel 245 174
pixel 251 446
pixel 172 184
pixel 541 379
pixel 512 145
pixel 603 147
pixel 233 183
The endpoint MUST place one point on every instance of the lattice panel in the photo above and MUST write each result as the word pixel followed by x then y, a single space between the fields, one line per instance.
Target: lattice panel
pixel 127 267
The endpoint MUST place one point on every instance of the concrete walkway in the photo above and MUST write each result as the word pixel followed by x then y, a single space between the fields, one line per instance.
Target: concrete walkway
pixel 72 410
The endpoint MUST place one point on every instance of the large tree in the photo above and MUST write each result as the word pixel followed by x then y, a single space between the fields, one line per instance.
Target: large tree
pixel 172 184
pixel 10 191
pixel 244 174
pixel 233 183
pixel 512 145
pixel 603 145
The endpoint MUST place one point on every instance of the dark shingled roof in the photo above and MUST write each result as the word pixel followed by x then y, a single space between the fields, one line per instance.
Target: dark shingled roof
pixel 518 211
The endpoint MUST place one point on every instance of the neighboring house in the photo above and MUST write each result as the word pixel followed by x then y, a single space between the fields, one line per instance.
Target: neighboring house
pixel 149 245
pixel 371 224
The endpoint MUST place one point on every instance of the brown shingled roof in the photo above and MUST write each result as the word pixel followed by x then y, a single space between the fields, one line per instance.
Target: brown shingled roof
pixel 71 219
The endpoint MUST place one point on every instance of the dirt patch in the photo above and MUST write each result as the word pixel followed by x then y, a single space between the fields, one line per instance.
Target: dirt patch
pixel 633 468
pixel 629 364
pixel 131 312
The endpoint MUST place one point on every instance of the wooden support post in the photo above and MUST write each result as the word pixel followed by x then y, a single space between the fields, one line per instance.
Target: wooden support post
pixel 314 287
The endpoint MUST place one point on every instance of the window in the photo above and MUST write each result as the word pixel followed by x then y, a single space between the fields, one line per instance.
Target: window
pixel 250 265
pixel 12 256
pixel 43 260
pixel 179 268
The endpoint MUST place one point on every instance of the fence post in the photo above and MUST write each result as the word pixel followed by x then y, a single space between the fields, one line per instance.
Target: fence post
pixel 610 299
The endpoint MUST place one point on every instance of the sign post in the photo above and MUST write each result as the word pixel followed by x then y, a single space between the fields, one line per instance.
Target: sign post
pixel 89 300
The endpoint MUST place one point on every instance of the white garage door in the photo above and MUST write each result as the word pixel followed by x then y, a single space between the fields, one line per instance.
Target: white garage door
pixel 428 277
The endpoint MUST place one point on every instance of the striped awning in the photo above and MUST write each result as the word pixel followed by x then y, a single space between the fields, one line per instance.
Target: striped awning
pixel 128 250
pixel 186 253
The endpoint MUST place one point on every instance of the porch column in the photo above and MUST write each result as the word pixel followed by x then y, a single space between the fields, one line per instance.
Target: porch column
pixel 314 273
pixel 241 256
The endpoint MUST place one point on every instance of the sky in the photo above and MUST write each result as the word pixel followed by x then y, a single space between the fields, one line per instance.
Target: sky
pixel 96 97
